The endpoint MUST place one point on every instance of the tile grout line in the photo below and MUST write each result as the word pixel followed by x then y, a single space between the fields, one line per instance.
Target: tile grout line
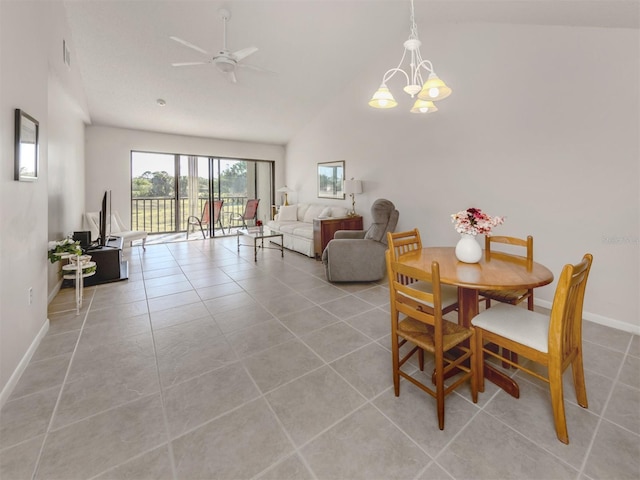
pixel 36 467
pixel 604 410
pixel 172 461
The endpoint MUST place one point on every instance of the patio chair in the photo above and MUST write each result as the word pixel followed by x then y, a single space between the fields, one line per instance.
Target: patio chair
pixel 250 212
pixel 205 219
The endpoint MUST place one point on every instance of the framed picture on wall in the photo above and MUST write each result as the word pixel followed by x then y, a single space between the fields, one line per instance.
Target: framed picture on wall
pixel 331 179
pixel 27 133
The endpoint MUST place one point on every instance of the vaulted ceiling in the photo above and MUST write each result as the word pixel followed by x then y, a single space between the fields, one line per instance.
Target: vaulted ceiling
pixel 312 48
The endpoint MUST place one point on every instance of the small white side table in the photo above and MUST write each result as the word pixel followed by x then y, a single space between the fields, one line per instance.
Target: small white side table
pixel 72 272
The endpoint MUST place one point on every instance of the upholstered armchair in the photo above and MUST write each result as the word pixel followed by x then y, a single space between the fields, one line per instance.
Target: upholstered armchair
pixel 358 255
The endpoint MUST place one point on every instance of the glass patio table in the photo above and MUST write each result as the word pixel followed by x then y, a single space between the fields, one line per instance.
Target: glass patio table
pixel 259 234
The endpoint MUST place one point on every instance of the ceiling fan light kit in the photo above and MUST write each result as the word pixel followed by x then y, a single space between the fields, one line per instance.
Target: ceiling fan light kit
pixel 225 61
pixel 428 91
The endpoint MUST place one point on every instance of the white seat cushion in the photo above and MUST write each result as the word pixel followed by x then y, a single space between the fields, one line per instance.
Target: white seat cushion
pixel 304 230
pixel 516 323
pixel 449 294
pixel 288 227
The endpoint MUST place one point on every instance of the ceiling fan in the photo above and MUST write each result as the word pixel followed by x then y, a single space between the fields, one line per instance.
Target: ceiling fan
pixel 225 60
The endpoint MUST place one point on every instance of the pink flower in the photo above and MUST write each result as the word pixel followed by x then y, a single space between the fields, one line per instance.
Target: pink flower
pixel 473 222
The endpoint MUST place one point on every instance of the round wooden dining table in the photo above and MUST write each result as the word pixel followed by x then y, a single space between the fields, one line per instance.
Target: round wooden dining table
pixel 497 272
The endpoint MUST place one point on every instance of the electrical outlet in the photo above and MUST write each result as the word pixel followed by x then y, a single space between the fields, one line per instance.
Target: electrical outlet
pixel 30 295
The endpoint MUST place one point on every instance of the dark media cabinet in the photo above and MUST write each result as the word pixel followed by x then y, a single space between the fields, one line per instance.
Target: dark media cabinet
pixel 110 267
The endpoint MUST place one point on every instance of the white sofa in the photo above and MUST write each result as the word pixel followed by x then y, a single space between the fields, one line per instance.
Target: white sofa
pixel 295 223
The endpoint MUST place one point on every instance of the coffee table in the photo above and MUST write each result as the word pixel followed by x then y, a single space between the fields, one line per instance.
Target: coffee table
pixel 258 233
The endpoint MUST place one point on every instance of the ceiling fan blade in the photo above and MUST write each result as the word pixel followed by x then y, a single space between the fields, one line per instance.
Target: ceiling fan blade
pixel 232 76
pixel 244 53
pixel 255 67
pixel 185 64
pixel 190 45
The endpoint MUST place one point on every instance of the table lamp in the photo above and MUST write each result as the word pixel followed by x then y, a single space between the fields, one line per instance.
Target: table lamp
pixel 353 187
pixel 286 190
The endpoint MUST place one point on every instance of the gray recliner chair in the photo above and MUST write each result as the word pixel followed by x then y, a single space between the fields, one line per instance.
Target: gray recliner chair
pixel 358 255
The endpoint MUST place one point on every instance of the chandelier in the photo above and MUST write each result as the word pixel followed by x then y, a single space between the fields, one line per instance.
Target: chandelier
pixel 428 92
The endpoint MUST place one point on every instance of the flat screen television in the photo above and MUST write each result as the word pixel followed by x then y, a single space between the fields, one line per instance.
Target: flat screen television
pixel 105 219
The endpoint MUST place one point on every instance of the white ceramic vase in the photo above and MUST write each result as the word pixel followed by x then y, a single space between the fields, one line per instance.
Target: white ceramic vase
pixel 468 249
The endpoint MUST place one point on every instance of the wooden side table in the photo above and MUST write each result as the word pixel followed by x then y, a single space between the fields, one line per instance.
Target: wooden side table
pixel 325 228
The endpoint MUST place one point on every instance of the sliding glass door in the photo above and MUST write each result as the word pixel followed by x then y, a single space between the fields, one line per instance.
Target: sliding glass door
pixel 166 189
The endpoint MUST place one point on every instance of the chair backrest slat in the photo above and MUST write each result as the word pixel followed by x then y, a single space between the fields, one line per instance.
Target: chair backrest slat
pixel 402 243
pixel 565 326
pixel 413 302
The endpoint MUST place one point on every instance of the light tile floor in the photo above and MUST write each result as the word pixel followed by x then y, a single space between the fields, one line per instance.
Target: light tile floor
pixel 205 364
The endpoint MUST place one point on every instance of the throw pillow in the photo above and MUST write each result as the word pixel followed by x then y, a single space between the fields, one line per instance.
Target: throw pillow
pixel 312 212
pixel 326 213
pixel 288 213
pixel 302 208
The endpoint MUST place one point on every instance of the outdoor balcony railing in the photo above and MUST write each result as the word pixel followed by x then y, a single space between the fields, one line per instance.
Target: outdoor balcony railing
pixel 158 214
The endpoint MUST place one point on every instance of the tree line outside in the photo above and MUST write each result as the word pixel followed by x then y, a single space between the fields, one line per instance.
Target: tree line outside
pixel 154 197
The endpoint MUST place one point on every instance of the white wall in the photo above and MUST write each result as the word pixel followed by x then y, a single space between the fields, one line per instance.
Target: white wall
pixel 27 63
pixel 542 127
pixel 108 153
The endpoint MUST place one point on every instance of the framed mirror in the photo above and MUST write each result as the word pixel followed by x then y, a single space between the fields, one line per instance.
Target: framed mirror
pixel 26 147
pixel 331 179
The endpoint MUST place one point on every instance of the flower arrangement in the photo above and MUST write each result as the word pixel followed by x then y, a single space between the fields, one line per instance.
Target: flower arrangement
pixel 63 247
pixel 474 221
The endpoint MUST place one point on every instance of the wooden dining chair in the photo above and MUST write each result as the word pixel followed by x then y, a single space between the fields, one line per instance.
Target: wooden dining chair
pixel 205 219
pixel 424 328
pixel 401 243
pixel 512 297
pixel 554 341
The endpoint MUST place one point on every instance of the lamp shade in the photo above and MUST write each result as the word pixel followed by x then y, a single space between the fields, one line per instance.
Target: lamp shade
pixel 284 189
pixel 352 186
pixel 434 89
pixel 424 106
pixel 382 98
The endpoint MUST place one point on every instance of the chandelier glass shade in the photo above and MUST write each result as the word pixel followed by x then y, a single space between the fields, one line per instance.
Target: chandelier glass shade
pixel 428 91
pixel 424 106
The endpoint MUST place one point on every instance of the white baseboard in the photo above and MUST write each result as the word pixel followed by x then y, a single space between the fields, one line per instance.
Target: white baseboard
pixel 600 319
pixel 17 373
pixel 54 292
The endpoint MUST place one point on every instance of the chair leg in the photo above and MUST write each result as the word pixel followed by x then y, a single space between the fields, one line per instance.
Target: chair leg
pixel 479 359
pixel 395 354
pixel 473 364
pixel 440 388
pixel 578 380
pixel 557 403
pixel 421 359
